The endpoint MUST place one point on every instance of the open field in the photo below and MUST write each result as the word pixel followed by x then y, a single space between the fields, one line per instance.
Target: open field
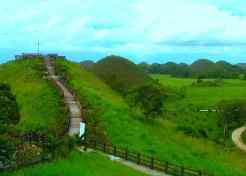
pixel 39 102
pixel 79 164
pixel 120 125
pixel 204 97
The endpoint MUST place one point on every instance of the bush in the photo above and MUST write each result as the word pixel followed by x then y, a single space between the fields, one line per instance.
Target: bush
pixel 7 150
pixel 208 83
pixel 61 147
pixel 28 152
pixel 232 114
pixel 9 111
pixel 149 98
pixel 9 115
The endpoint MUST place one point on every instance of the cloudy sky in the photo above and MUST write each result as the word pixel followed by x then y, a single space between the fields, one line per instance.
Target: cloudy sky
pixel 143 30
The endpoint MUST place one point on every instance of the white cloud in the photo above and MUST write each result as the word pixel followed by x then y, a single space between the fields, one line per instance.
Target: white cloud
pixel 187 20
pixel 127 26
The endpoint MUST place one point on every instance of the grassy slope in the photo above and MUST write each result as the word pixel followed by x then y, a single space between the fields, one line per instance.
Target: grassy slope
pixel 39 102
pixel 79 164
pixel 160 138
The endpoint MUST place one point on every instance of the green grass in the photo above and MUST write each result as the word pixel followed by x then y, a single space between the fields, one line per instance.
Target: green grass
pixel 200 124
pixel 79 164
pixel 204 97
pixel 159 138
pixel 39 102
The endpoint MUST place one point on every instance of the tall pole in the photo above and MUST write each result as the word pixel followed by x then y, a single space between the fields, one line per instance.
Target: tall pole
pixel 38 47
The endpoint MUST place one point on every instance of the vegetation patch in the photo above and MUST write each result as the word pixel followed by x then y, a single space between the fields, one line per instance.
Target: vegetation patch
pixel 41 107
pixel 9 117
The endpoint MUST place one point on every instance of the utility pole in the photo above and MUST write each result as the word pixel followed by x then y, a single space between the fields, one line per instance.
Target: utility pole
pixel 38 45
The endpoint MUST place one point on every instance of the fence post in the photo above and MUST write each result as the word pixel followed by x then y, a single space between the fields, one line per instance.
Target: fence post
pixel 182 171
pixel 200 173
pixel 104 147
pixel 115 151
pixel 126 154
pixel 85 146
pixel 152 163
pixel 138 158
pixel 95 144
pixel 166 167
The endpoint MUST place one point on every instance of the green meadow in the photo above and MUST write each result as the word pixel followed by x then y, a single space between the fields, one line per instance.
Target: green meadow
pixel 202 96
pixel 163 138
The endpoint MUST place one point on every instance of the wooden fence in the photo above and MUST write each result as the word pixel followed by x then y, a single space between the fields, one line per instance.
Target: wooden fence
pixel 144 160
pixel 33 138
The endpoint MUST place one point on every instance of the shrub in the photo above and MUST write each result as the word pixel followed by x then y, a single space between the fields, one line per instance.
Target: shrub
pixel 7 150
pixel 149 98
pixel 232 114
pixel 9 112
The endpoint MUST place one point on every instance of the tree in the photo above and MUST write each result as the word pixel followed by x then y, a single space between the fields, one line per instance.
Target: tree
pixel 9 112
pixel 7 150
pixel 150 99
pixel 232 114
pixel 9 115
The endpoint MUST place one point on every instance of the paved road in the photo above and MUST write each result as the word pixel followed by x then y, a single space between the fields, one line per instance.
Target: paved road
pixel 237 138
pixel 70 100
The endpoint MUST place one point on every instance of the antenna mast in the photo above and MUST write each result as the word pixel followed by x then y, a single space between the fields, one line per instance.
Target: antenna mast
pixel 38 45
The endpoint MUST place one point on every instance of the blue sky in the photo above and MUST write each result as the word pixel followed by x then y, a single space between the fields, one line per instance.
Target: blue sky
pixel 143 30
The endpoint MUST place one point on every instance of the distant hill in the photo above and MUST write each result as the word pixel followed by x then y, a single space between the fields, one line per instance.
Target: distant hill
pixel 200 68
pixel 242 65
pixel 120 73
pixel 87 64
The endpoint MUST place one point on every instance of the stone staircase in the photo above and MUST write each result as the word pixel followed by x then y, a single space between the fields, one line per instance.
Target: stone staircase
pixel 70 100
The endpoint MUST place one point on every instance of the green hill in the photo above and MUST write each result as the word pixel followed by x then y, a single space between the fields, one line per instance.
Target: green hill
pixel 120 73
pixel 41 107
pixel 112 119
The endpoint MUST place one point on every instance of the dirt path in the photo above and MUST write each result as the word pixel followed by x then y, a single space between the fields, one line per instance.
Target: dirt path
pixel 70 100
pixel 237 138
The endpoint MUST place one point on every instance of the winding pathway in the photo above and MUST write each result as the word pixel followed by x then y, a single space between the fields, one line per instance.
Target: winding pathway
pixel 70 100
pixel 237 138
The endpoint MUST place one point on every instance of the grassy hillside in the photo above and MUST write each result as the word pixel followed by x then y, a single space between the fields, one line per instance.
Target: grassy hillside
pixel 79 164
pixel 160 138
pixel 39 102
pixel 120 73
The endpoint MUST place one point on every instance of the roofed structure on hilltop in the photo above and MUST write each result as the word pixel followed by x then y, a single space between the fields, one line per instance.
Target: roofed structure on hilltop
pixel 33 55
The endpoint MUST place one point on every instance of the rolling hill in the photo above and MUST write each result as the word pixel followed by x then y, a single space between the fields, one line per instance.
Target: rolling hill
pixel 120 73
pixel 113 120
pixel 110 118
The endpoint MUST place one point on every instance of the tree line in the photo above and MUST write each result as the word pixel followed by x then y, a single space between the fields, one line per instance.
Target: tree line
pixel 202 68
